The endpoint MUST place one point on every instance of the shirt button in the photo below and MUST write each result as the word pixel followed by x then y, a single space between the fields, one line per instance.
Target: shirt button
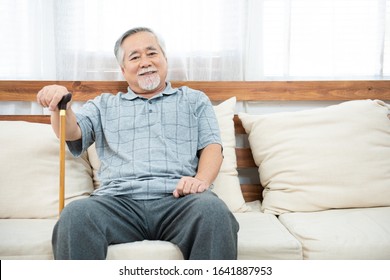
pixel 150 101
pixel 150 110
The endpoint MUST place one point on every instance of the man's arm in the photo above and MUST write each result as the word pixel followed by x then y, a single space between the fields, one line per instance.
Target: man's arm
pixel 49 97
pixel 210 161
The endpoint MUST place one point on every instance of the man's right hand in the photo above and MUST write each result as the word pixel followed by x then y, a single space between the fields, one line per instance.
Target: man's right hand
pixel 50 96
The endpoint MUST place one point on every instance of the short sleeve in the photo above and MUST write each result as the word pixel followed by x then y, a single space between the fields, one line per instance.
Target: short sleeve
pixel 88 119
pixel 209 132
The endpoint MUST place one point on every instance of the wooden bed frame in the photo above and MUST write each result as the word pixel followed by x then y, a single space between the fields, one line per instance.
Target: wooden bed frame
pixel 217 91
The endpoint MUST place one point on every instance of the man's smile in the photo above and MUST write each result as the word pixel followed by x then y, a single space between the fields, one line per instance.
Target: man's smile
pixel 147 72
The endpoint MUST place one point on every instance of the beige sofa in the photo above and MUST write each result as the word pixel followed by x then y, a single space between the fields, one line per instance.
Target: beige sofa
pixel 325 173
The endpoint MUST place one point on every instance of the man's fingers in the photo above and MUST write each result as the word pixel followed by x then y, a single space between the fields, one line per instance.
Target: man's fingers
pixel 50 96
pixel 179 188
pixel 202 188
pixel 41 98
pixel 55 100
pixel 189 185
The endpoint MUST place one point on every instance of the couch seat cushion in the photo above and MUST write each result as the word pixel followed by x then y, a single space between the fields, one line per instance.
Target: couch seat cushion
pixel 262 236
pixel 362 233
pixel 26 239
pixel 144 250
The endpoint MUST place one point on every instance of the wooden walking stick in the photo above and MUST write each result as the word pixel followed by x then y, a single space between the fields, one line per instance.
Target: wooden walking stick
pixel 62 106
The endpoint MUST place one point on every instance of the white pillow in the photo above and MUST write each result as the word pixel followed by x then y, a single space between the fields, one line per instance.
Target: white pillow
pixel 333 157
pixel 226 185
pixel 29 164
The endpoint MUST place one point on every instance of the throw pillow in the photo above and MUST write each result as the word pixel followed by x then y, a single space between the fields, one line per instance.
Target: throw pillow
pixel 325 158
pixel 29 181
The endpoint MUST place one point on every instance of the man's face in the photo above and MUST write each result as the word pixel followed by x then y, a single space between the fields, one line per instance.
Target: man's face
pixel 145 66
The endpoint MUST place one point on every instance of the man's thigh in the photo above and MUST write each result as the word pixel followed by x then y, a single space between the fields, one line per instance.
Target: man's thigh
pixel 119 218
pixel 169 216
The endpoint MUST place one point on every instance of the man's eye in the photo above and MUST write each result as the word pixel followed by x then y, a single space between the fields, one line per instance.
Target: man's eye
pixel 152 53
pixel 134 58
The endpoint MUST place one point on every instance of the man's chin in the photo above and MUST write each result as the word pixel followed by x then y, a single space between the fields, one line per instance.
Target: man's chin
pixel 149 83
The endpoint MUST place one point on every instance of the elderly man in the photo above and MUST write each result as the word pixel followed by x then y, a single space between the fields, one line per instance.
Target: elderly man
pixel 160 151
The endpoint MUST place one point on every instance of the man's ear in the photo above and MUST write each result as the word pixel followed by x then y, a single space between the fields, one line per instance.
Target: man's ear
pixel 123 70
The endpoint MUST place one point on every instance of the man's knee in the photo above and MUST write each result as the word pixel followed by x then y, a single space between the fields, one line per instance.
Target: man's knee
pixel 77 212
pixel 210 206
pixel 76 207
pixel 209 200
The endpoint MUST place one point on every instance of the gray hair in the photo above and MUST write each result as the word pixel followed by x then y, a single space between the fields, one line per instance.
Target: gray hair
pixel 118 50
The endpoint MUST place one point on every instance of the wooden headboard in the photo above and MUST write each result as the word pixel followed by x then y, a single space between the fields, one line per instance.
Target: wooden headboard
pixel 217 91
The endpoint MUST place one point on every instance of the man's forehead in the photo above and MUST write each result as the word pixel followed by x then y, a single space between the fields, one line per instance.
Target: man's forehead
pixel 143 42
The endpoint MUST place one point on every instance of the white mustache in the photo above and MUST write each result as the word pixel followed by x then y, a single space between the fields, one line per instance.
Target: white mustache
pixel 145 70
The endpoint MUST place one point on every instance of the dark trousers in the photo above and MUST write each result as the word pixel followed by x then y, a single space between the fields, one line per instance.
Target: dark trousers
pixel 201 225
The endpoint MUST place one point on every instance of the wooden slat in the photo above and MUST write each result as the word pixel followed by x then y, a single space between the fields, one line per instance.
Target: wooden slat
pixel 252 192
pixel 245 158
pixel 82 91
pixel 294 90
pixel 218 90
pixel 238 128
pixel 27 118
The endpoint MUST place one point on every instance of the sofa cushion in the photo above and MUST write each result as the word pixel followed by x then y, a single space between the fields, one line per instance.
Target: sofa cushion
pixel 144 250
pixel 319 159
pixel 362 233
pixel 263 237
pixel 226 185
pixel 29 165
pixel 26 239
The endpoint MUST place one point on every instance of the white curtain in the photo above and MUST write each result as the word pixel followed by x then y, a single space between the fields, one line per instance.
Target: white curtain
pixel 206 39
pixel 318 39
pixel 27 50
pixel 73 40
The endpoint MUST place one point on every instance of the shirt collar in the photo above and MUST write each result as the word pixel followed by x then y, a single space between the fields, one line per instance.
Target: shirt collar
pixel 131 95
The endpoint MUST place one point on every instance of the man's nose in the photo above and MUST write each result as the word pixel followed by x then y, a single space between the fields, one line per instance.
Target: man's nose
pixel 145 61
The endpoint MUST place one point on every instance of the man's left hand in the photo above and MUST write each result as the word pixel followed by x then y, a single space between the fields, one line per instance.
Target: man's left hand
pixel 190 185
